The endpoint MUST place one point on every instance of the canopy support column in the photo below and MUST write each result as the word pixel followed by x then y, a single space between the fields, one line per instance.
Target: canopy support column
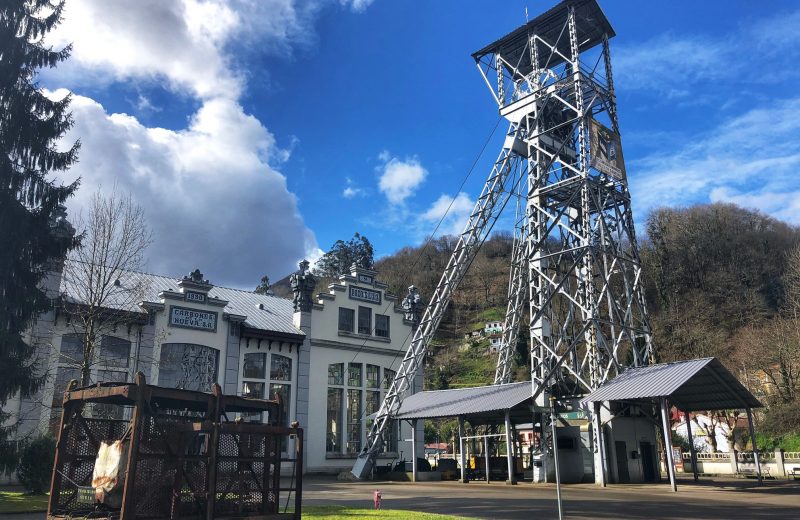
pixel 753 441
pixel 461 456
pixel 486 455
pixel 691 444
pixel 509 450
pixel 668 442
pixel 413 450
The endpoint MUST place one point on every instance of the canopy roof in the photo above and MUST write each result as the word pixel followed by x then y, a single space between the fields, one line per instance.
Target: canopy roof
pixel 696 384
pixel 479 403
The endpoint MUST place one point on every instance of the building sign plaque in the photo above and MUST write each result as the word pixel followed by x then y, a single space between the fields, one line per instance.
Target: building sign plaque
pixel 192 296
pixel 365 278
pixel 366 295
pixel 606 149
pixel 192 319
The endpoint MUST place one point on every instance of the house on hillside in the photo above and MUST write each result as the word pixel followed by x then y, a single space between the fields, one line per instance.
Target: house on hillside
pixel 493 327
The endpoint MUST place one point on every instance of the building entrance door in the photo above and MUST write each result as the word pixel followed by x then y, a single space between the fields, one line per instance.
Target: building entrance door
pixel 648 455
pixel 623 477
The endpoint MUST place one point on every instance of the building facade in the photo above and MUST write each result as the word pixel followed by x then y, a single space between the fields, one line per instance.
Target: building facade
pixel 329 356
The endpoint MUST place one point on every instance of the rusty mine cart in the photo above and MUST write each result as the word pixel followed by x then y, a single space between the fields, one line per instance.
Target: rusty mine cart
pixel 169 453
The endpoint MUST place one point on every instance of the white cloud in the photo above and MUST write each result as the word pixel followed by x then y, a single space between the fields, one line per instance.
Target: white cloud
pixel 453 212
pixel 400 179
pixel 180 42
pixel 783 205
pixel 209 192
pixel 671 65
pixel 358 6
pixel 351 190
pixel 751 159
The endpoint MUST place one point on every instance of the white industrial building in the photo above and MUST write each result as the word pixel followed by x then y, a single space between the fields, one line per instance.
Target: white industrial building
pixel 329 355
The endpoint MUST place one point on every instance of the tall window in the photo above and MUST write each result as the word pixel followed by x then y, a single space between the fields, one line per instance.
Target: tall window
pixel 373 376
pixel 354 374
pixel 188 366
pixel 280 368
pixel 263 384
pixel 71 349
pixel 388 377
pixel 334 428
pixel 364 320
pixel 346 318
pixel 351 398
pixel 382 325
pixel 63 376
pixel 115 352
pixel 353 420
pixel 336 374
pixel 255 365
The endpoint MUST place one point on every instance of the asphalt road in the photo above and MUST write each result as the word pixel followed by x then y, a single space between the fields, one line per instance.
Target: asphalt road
pixel 718 500
pixel 729 499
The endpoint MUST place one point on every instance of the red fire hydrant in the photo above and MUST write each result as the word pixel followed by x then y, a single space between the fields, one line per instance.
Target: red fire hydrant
pixel 376 498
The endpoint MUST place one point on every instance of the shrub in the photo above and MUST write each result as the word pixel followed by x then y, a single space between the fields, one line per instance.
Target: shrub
pixel 36 464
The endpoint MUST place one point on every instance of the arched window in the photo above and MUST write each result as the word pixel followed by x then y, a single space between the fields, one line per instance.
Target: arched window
pixel 188 366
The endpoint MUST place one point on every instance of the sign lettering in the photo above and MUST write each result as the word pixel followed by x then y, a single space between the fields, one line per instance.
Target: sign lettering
pixel 192 296
pixel 366 295
pixel 193 319
pixel 365 278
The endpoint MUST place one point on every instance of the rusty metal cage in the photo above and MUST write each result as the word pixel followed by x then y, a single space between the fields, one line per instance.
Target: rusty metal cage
pixel 186 455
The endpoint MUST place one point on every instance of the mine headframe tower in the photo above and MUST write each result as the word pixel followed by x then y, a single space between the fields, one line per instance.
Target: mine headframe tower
pixel 575 256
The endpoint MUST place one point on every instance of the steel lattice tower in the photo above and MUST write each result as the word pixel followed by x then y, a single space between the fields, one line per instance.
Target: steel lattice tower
pixel 575 257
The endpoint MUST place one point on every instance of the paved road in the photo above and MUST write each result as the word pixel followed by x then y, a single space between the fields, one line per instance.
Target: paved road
pixel 719 499
pixel 729 499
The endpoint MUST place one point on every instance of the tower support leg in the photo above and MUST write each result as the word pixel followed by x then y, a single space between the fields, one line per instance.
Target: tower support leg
pixel 668 443
pixel 599 448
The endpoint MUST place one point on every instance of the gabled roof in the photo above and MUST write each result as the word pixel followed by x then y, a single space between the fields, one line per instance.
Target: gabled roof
pixel 464 401
pixel 695 384
pixel 275 316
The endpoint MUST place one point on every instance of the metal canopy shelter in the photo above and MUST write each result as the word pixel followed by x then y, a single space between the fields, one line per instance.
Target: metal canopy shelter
pixel 692 385
pixel 481 405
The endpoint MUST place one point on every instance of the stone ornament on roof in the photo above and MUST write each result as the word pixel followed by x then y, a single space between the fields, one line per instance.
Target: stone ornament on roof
pixel 412 305
pixel 303 284
pixel 197 277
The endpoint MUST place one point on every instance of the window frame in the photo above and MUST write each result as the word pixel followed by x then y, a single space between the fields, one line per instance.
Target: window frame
pixel 343 311
pixel 365 330
pixel 379 331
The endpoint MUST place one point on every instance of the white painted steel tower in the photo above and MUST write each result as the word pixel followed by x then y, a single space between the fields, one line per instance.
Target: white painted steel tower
pixel 575 259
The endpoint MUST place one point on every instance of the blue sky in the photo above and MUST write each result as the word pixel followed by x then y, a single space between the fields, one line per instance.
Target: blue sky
pixel 257 133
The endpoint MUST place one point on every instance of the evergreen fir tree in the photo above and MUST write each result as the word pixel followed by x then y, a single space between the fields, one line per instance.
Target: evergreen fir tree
pixel 31 202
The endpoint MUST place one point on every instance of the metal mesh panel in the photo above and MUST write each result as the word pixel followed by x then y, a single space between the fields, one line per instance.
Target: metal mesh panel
pixel 76 469
pixel 245 470
pixel 153 487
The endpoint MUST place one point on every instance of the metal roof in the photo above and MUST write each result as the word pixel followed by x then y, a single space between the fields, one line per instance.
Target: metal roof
pixel 696 384
pixel 135 287
pixel 591 25
pixel 464 401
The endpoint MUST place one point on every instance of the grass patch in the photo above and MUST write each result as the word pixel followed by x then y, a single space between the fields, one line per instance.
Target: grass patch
pixel 19 502
pixel 347 513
